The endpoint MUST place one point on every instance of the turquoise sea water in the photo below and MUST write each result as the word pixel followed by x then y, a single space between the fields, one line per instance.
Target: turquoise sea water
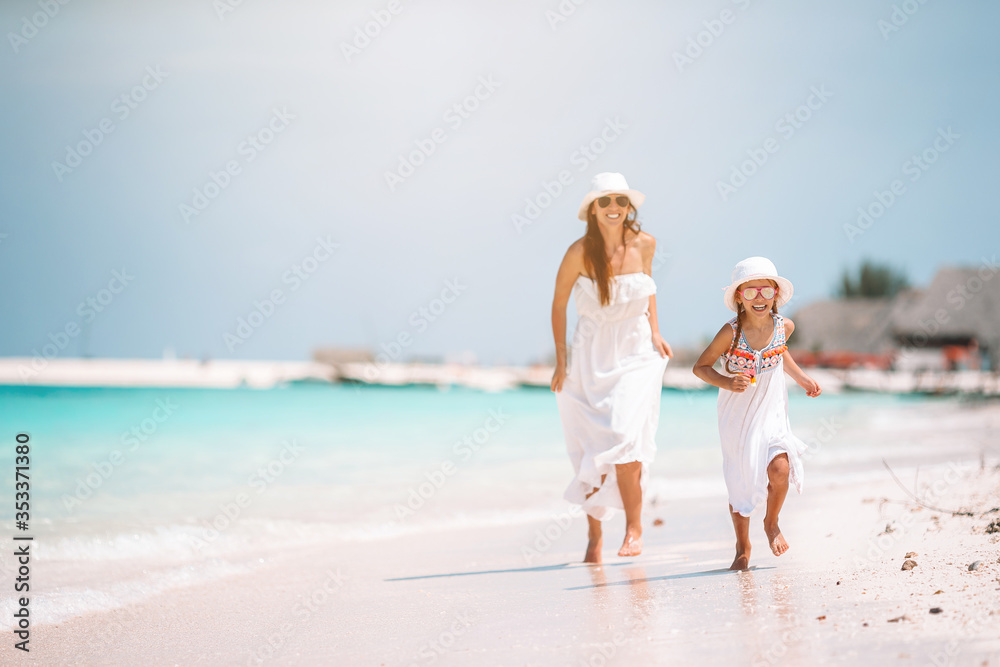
pixel 177 442
pixel 154 479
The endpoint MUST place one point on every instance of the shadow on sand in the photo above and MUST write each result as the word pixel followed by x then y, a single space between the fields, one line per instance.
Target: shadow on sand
pixel 668 577
pixel 540 568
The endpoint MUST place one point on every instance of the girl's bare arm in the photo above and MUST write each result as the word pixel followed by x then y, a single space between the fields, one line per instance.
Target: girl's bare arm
pixel 703 367
pixel 794 371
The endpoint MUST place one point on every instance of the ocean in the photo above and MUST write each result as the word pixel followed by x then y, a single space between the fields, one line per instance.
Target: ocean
pixel 174 486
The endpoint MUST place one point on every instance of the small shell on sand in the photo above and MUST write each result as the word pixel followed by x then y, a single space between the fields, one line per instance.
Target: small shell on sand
pixel 657 522
pixel 909 564
pixel 974 565
pixel 936 610
pixel 910 554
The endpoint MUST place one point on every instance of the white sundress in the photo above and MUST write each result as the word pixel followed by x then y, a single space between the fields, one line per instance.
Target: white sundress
pixel 610 401
pixel 754 425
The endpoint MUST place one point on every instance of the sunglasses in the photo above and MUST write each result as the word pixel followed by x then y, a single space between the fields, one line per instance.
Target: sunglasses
pixel 604 202
pixel 750 293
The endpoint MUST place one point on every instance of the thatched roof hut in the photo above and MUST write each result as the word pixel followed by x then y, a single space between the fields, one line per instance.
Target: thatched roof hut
pixel 342 355
pixel 960 307
pixel 858 325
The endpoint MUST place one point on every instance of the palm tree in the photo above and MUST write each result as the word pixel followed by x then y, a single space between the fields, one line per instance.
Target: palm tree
pixel 872 281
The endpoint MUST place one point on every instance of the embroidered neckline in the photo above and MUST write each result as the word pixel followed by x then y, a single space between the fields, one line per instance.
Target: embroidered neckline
pixel 770 342
pixel 756 361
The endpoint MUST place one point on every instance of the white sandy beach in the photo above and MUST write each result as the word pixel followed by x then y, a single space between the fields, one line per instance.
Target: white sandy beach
pixel 509 595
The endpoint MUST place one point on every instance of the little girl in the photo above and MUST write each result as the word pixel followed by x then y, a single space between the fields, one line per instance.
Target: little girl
pixel 759 450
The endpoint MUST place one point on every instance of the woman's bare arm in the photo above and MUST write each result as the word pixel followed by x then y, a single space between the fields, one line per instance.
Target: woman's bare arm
pixel 569 270
pixel 648 252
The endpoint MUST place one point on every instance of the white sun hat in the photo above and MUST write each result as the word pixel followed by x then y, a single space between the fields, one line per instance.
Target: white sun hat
pixel 756 268
pixel 607 183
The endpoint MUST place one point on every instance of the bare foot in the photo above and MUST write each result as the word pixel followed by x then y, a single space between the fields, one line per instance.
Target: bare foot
pixel 632 546
pixel 778 543
pixel 742 560
pixel 593 554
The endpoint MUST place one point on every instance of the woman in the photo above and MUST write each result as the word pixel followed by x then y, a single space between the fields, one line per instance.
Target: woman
pixel 609 399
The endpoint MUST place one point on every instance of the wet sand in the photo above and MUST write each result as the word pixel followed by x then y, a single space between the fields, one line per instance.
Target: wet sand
pixel 517 595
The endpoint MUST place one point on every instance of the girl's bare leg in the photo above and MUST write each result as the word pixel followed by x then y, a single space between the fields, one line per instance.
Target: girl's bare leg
pixel 628 484
pixel 742 526
pixel 777 489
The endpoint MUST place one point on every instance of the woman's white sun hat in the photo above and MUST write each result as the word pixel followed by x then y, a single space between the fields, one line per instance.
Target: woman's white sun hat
pixel 756 268
pixel 607 183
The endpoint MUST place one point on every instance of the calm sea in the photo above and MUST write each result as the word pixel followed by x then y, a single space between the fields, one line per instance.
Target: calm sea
pixel 154 479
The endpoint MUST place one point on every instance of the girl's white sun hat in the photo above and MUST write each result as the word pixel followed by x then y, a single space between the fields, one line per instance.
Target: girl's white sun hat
pixel 756 268
pixel 607 183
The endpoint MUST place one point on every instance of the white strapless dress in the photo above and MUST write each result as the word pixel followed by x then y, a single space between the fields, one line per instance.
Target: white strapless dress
pixel 610 401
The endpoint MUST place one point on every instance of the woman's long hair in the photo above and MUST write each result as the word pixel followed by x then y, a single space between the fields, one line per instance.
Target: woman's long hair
pixel 740 310
pixel 595 257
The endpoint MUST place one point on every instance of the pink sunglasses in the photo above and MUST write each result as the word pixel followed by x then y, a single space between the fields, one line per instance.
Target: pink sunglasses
pixel 750 293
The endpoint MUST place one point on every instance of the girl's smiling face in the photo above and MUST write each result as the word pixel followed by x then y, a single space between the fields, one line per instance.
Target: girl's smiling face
pixel 757 306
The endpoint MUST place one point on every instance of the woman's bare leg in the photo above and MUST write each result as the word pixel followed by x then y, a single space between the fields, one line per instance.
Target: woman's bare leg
pixel 594 541
pixel 628 484
pixel 594 535
pixel 742 526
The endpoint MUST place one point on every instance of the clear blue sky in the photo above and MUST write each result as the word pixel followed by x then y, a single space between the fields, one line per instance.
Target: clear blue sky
pixel 330 121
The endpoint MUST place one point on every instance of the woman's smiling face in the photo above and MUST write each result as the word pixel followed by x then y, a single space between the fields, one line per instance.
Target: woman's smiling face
pixel 614 213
